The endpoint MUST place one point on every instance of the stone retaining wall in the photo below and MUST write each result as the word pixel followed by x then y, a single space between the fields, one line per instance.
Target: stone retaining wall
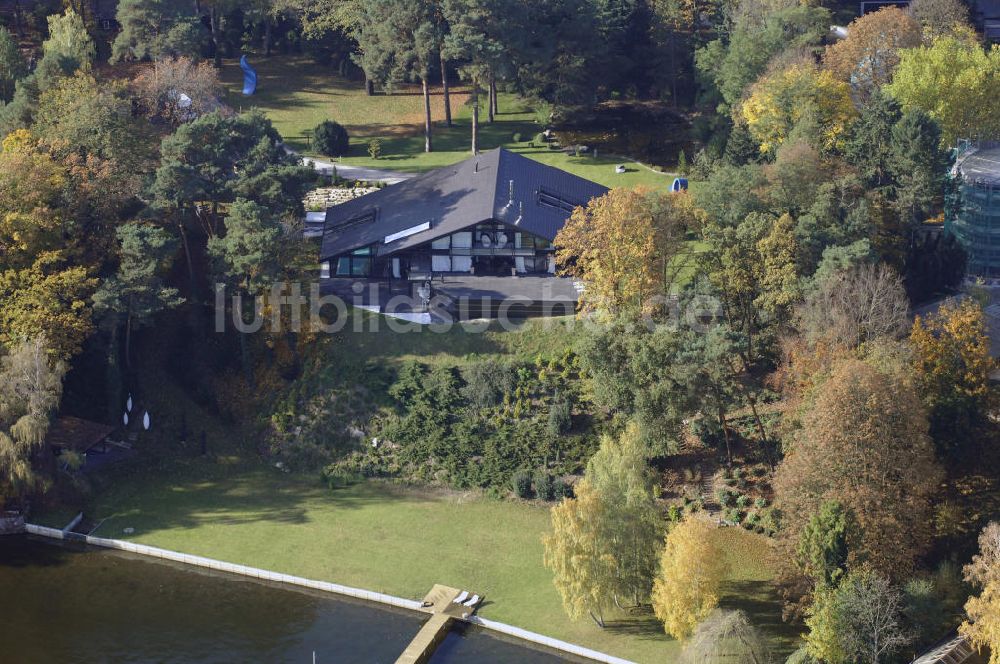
pixel 325 197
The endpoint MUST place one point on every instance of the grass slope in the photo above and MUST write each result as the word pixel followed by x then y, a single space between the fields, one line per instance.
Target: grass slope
pixel 297 94
pixel 371 337
pixel 400 541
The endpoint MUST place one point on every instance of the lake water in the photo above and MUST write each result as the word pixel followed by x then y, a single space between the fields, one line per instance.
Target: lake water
pixel 65 603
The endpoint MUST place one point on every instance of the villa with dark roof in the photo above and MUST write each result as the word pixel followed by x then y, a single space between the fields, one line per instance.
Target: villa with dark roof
pixel 483 227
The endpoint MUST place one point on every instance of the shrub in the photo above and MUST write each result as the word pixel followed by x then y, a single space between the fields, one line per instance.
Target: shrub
pixel 760 503
pixel 375 148
pixel 521 482
pixel 675 513
pixel 330 138
pixel 560 418
pixel 487 382
pixel 72 459
pixel 305 455
pixel 337 479
pixel 682 163
pixel 734 514
pixel 704 164
pixel 517 137
pixel 770 520
pixel 948 519
pixel 561 488
pixel 742 501
pixel 543 113
pixel 725 497
pixel 801 656
pixel 544 486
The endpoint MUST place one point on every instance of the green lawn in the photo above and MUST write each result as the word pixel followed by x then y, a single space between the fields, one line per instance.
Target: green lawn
pixel 297 94
pixel 377 535
pixel 396 540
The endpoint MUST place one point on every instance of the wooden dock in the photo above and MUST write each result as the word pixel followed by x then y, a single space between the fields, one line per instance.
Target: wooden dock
pixel 443 610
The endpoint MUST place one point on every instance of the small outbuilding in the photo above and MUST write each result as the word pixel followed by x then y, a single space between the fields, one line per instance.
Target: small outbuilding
pixel 92 440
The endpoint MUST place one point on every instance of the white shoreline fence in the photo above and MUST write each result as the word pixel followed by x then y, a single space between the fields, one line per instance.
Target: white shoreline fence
pixel 336 588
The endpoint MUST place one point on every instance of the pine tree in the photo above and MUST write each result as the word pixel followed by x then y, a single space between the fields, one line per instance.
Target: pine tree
pixel 400 40
pixel 153 29
pixel 137 291
pixel 12 65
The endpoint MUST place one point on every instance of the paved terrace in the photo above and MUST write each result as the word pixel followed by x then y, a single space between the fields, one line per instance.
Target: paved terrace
pixel 464 296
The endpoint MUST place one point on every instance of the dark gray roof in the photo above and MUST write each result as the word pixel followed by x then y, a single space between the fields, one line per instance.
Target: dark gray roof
pixel 456 197
pixel 982 165
pixel 986 9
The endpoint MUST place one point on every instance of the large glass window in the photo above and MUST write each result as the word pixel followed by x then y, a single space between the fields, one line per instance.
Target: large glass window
pixel 529 241
pixel 357 264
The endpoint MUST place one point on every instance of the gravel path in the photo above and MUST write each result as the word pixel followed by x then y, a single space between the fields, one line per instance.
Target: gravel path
pixel 354 172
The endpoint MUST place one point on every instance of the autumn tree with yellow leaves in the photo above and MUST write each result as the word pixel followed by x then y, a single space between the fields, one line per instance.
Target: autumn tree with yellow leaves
pixel 983 610
pixel 575 552
pixel 603 544
pixel 752 267
pixel 689 583
pixel 952 366
pixel 624 246
pixel 30 389
pixel 781 99
pixel 41 290
pixel 956 82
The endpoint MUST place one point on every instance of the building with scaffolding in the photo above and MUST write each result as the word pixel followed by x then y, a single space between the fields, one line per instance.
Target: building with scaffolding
pixel 976 222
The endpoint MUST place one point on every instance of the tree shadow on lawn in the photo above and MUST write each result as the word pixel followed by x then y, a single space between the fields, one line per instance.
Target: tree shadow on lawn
pixel 406 142
pixel 640 623
pixel 584 159
pixel 155 503
pixel 762 604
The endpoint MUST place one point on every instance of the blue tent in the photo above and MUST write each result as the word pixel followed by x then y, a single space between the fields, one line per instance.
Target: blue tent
pixel 680 184
pixel 249 76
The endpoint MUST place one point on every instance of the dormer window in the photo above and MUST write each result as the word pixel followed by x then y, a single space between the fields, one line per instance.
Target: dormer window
pixel 551 199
